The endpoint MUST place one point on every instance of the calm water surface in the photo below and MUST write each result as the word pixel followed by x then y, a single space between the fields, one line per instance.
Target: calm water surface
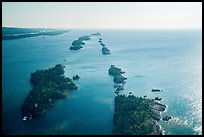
pixel 165 59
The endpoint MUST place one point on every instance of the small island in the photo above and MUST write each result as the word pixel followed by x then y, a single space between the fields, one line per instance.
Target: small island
pixel 136 116
pixel 48 86
pixel 100 40
pixel 105 51
pixel 102 44
pixel 75 47
pixel 117 73
pixel 76 44
pixel 96 34
pixel 157 90
pixel 82 38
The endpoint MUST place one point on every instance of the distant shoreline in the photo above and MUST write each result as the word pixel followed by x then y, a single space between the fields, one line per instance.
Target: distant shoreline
pixel 18 33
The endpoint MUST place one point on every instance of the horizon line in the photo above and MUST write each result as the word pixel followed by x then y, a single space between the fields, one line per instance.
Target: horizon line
pixel 103 28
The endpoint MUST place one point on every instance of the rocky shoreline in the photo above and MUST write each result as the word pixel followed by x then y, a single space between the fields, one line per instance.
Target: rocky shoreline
pixel 146 109
pixel 136 116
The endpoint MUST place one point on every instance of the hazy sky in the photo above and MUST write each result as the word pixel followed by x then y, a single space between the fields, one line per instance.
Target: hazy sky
pixel 102 14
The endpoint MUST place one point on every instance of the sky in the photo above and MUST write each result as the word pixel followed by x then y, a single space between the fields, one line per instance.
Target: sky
pixel 102 14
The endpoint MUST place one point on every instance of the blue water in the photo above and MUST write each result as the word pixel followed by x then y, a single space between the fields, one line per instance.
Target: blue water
pixel 167 59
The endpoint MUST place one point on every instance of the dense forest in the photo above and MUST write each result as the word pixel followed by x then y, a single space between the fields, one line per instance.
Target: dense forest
pixel 48 85
pixel 133 116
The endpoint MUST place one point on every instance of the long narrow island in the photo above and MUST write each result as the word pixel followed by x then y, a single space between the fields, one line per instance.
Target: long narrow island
pixel 48 86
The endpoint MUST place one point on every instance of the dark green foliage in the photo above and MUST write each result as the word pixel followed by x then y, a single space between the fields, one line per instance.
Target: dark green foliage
pixel 75 47
pixel 119 79
pixel 76 77
pixel 114 71
pixel 132 116
pixel 103 45
pixel 117 73
pixel 48 85
pixel 105 50
pixel 84 38
pixel 78 42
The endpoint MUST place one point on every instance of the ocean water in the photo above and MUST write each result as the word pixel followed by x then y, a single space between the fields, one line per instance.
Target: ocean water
pixel 166 59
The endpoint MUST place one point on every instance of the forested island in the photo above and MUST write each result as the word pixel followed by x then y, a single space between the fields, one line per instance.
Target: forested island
pixel 132 115
pixel 118 78
pixel 76 44
pixel 136 116
pixel 48 86
pixel 117 73
pixel 104 49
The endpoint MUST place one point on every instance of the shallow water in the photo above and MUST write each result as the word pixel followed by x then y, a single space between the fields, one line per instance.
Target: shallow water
pixel 165 59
